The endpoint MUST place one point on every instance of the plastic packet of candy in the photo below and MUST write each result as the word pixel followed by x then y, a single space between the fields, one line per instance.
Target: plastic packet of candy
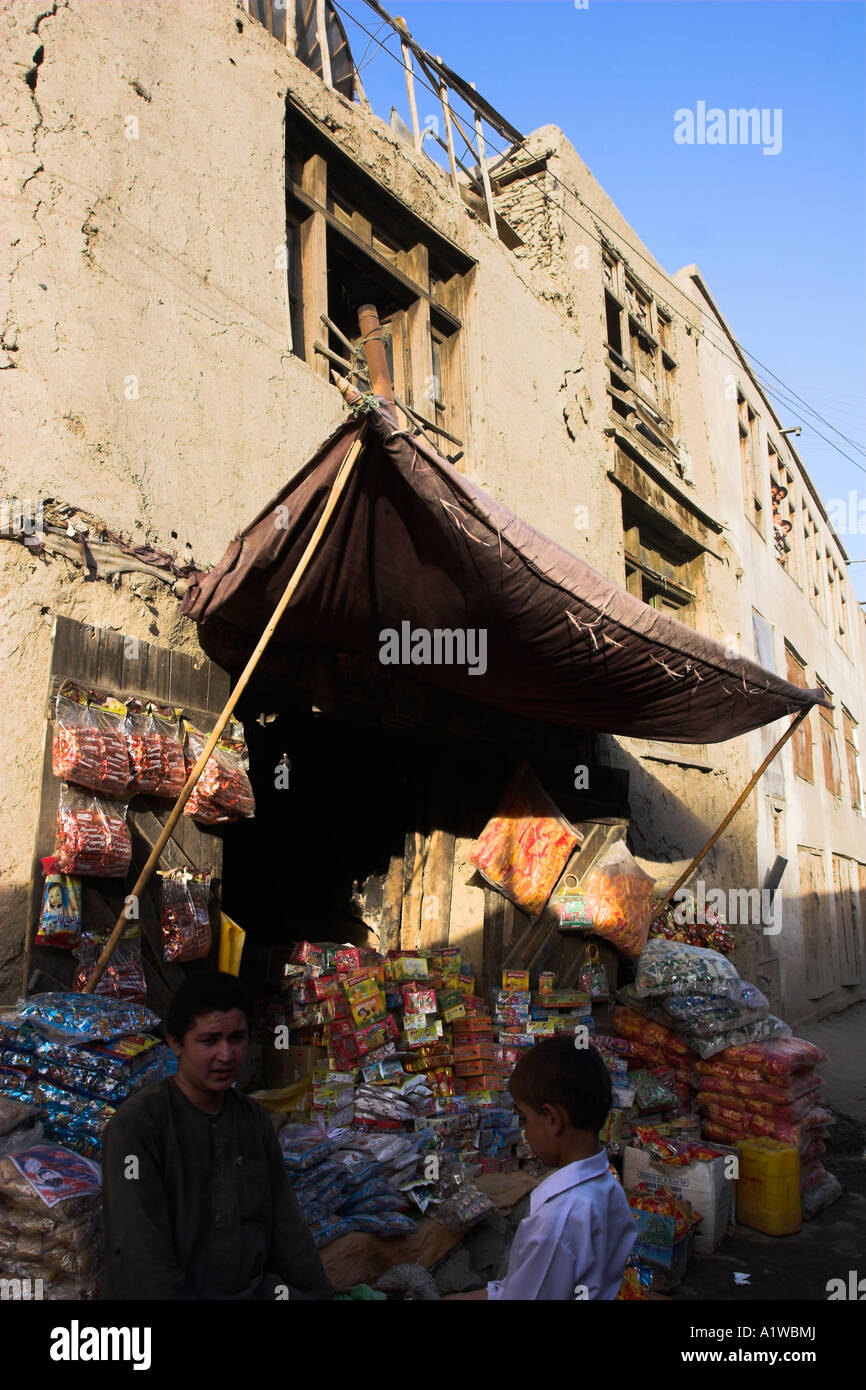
pixel 785 1091
pixel 793 1110
pixel 619 896
pixel 12 1060
pixel 651 1094
pixel 123 976
pixel 223 791
pixel 92 835
pixel 89 748
pixel 60 916
pixel 74 1018
pixel 763 1028
pixel 706 1014
pixel 184 917
pixel 779 1058
pixel 669 967
pixel 524 848
pixel 156 762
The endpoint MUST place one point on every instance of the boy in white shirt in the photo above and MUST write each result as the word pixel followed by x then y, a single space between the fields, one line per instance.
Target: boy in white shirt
pixel 580 1229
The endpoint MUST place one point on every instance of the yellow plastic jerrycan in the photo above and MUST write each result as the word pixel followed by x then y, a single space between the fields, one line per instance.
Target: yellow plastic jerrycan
pixel 768 1186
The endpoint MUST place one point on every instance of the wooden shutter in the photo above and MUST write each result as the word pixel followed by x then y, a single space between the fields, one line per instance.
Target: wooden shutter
pixel 832 767
pixel 106 661
pixel 817 933
pixel 848 928
pixel 851 752
pixel 801 741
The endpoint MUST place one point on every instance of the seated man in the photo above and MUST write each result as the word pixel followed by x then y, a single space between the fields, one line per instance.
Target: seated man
pixel 196 1200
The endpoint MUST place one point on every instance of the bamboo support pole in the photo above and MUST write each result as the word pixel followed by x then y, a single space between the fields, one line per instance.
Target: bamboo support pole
pixel 449 136
pixel 410 80
pixel 485 177
pixel 176 811
pixel 752 783
pixel 368 320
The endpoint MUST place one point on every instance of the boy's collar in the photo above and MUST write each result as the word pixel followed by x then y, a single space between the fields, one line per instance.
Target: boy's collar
pixel 571 1175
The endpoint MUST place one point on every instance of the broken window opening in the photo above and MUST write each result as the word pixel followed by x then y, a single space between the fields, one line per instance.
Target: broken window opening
pixel 783 506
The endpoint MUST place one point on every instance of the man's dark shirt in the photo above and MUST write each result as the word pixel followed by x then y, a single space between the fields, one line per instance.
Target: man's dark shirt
pixel 210 1214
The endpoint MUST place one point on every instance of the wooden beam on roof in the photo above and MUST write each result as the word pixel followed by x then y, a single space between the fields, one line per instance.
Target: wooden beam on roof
pixel 463 89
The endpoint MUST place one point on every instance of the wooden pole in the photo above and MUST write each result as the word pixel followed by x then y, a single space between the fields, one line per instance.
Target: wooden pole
pixel 449 135
pixel 322 35
pixel 687 873
pixel 368 319
pixel 300 569
pixel 485 177
pixel 410 81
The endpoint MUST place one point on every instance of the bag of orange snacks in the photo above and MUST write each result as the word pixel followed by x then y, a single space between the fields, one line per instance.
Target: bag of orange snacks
pixel 620 896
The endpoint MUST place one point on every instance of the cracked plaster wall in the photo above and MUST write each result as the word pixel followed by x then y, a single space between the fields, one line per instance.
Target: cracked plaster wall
pixel 148 373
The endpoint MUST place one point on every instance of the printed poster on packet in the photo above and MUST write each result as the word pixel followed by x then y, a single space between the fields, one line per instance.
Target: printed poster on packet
pixel 55 1173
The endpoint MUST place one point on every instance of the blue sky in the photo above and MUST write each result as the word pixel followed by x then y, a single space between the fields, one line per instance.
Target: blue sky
pixel 779 238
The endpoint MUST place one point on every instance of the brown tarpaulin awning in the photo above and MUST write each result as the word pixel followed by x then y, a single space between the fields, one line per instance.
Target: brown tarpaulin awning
pixel 414 542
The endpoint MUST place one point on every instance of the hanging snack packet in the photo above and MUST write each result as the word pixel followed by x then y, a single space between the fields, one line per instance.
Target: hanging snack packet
pixel 223 791
pixel 184 918
pixel 123 976
pixel 523 850
pixel 571 905
pixel 89 746
pixel 60 916
pixel 593 976
pixel 92 835
pixel 619 896
pixel 145 745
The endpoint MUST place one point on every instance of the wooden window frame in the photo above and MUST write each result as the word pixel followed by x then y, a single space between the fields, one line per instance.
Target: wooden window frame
pixel 837 605
pixel 329 224
pixel 813 566
pixel 802 740
pixel 748 430
pixel 785 509
pixel 829 747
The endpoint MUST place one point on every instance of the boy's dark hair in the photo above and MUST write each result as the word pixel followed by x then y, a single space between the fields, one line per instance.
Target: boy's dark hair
pixel 206 992
pixel 555 1072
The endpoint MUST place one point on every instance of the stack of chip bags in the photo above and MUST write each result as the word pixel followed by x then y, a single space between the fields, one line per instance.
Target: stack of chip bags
pixel 17 1042
pixel 50 1222
pixel 341 1188
pixel 88 1056
pixel 772 1090
pixel 699 994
